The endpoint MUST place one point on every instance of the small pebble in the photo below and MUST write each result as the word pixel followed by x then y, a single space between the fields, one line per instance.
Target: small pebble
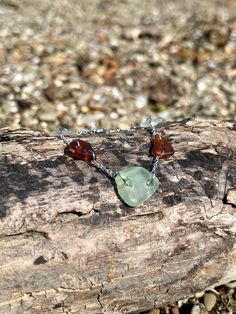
pixel 231 284
pixel 209 300
pixel 141 101
pixel 49 114
pixel 231 197
pixel 195 309
pixel 154 311
pixel 199 294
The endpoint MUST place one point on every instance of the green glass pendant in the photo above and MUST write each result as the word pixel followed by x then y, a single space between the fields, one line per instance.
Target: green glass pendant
pixel 135 185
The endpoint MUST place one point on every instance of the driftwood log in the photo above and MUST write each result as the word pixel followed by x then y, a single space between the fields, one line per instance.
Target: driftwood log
pixel 68 245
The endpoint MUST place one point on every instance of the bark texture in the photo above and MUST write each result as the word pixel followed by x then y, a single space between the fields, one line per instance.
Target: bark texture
pixel 67 243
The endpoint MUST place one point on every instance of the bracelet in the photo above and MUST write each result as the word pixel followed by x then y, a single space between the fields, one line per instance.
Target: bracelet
pixel 134 184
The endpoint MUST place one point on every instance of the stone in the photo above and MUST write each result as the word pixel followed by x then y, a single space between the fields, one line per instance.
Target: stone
pixel 54 93
pixel 154 311
pixel 199 294
pixel 196 309
pixel 231 197
pixel 80 150
pixel 231 284
pixel 48 113
pixel 161 148
pixel 135 185
pixel 141 101
pixel 209 300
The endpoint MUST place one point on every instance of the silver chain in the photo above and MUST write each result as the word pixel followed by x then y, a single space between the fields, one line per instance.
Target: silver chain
pixel 108 172
pixel 149 125
pixel 62 136
pixel 155 164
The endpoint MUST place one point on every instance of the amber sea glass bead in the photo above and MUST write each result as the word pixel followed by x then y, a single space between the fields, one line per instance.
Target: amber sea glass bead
pixel 161 148
pixel 80 150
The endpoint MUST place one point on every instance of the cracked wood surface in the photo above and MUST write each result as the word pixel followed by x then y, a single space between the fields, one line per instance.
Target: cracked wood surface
pixel 67 244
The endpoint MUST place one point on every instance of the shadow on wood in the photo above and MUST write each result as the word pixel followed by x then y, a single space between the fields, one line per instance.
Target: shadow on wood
pixel 67 243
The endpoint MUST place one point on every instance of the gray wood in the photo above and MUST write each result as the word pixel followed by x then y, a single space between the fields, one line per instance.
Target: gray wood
pixel 68 245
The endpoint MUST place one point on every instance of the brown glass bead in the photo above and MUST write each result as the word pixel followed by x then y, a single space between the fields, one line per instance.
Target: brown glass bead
pixel 161 148
pixel 80 150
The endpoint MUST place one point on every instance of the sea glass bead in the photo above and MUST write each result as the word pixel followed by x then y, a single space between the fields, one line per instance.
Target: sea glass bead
pixel 80 150
pixel 161 148
pixel 135 185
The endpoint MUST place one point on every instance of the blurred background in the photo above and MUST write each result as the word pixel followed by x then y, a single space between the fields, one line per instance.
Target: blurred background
pixel 101 63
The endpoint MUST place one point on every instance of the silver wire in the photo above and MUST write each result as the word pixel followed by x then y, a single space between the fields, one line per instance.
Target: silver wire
pixel 61 135
pixel 108 172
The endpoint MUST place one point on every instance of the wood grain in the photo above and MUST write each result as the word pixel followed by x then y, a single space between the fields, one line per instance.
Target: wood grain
pixel 68 245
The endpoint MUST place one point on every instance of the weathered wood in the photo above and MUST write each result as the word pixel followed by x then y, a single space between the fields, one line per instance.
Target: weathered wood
pixel 68 244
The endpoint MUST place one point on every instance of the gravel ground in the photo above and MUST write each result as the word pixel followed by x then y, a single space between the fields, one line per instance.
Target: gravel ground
pixel 101 63
pixel 113 63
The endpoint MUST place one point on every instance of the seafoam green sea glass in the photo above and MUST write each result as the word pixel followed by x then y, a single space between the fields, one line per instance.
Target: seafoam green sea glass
pixel 135 185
